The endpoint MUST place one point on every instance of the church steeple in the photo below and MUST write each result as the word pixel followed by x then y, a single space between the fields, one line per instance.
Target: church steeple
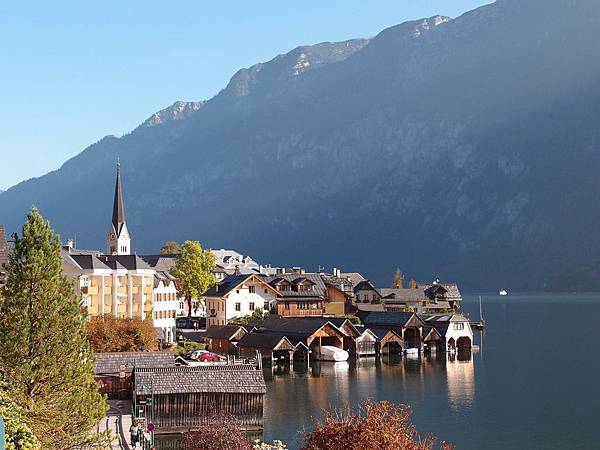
pixel 119 242
pixel 118 216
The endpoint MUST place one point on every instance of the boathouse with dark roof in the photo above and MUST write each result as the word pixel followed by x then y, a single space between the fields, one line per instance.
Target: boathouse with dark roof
pixel 181 398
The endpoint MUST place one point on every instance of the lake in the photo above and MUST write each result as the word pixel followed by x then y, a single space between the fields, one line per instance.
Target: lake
pixel 534 384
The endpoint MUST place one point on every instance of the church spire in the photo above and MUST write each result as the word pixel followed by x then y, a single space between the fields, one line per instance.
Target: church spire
pixel 118 216
pixel 119 242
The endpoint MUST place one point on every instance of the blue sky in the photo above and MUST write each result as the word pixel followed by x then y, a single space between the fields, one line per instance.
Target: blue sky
pixel 73 72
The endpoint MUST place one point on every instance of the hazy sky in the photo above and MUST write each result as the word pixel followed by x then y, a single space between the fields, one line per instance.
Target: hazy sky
pixel 72 72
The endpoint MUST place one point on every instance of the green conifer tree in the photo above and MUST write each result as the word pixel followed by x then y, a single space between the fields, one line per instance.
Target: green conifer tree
pixel 45 355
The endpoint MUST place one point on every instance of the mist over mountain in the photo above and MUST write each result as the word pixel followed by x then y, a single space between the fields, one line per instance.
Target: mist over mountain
pixel 466 149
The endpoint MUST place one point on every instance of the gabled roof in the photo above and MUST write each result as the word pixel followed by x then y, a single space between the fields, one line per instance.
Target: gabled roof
pixel 381 333
pixel 232 282
pixel 390 318
pixel 353 277
pixel 162 263
pixel 403 295
pixel 431 333
pixel 224 332
pixel 305 326
pixel 229 379
pixel 127 262
pixel 109 363
pixel 453 292
pixel 316 293
pixel 267 341
pixel 366 285
pixel 89 262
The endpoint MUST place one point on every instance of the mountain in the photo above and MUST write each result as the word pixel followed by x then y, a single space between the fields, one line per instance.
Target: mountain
pixel 465 149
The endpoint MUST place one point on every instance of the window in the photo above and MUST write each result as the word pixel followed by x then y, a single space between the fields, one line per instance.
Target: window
pixel 266 306
pixel 459 326
pixel 238 306
pixel 251 306
pixel 86 301
pixel 252 289
pixel 85 281
pixel 237 291
pixel 287 305
pixel 181 305
pixel 266 291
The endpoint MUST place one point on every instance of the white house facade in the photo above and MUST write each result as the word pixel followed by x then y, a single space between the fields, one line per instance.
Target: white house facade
pixel 237 296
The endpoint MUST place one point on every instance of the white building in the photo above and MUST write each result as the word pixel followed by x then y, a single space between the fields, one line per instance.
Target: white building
pixel 237 296
pixel 166 306
pixel 455 330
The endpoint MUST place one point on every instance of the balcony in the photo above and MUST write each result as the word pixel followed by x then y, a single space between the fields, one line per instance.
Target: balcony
pixel 92 290
pixel 300 312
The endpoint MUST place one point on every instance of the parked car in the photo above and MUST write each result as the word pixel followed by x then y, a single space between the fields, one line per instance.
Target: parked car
pixel 209 357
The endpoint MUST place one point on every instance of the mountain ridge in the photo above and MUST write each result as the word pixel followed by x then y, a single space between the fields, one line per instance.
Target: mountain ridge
pixel 448 147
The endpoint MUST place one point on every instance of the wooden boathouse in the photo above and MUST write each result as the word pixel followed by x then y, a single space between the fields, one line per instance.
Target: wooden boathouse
pixel 271 346
pixel 114 371
pixel 176 399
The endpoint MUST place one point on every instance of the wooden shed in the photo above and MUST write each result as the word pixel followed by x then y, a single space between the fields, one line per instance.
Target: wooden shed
pixel 271 346
pixel 311 332
pixel 388 341
pixel 223 339
pixel 117 383
pixel 177 399
pixel 366 343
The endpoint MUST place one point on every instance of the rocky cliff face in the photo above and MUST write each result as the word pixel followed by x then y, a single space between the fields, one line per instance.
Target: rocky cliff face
pixel 465 149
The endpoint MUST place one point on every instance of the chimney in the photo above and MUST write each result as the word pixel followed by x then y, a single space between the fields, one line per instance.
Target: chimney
pixel 336 272
pixel 70 243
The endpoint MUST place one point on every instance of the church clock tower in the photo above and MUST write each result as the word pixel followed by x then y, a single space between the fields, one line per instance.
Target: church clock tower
pixel 119 242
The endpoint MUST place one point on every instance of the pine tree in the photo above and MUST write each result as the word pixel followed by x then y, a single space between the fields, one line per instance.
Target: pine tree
pixel 45 356
pixel 398 282
pixel 194 271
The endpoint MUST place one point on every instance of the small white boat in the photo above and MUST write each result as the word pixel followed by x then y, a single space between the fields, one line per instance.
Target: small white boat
pixel 502 293
pixel 331 353
pixel 411 351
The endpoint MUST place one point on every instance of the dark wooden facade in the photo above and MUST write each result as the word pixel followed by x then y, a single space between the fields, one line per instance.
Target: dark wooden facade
pixel 177 399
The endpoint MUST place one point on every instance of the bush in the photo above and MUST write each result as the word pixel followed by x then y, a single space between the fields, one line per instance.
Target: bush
pixel 257 316
pixel 188 346
pixel 376 426
pixel 111 334
pixel 222 433
pixel 354 319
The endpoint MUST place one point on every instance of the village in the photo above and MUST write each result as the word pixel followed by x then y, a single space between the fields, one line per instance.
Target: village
pixel 254 316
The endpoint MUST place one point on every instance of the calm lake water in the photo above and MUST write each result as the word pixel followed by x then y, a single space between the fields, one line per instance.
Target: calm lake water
pixel 535 383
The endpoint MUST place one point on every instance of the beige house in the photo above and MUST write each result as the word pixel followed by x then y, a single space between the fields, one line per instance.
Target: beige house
pixel 121 286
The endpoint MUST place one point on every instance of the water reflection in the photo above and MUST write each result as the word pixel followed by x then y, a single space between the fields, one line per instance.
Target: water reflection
pixel 460 373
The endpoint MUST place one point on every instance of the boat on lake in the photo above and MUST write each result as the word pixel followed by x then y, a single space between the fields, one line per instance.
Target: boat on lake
pixel 331 353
